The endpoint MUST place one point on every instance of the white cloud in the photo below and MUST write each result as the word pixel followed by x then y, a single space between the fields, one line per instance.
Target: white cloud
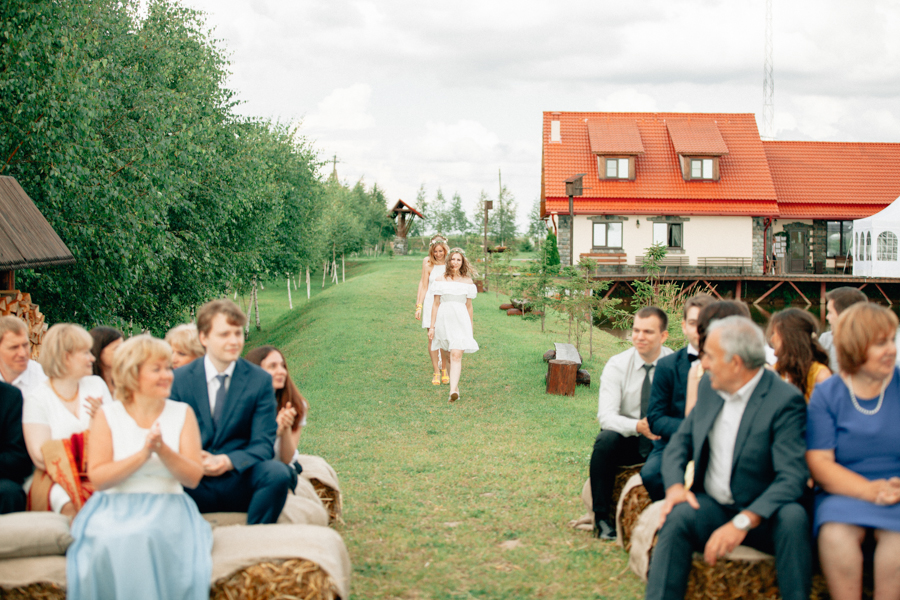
pixel 343 109
pixel 627 100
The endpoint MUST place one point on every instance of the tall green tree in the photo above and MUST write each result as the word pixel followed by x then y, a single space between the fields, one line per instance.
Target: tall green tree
pixel 456 217
pixel 502 223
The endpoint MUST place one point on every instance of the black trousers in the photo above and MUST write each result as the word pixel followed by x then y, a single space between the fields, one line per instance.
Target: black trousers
pixel 12 498
pixel 259 491
pixel 611 451
pixel 686 530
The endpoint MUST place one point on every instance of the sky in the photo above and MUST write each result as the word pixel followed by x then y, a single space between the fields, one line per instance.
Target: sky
pixel 448 94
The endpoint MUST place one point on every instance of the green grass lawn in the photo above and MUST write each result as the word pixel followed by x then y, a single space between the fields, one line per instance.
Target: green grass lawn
pixel 446 501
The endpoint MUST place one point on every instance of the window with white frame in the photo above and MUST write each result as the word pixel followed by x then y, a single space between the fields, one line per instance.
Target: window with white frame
pixel 607 235
pixel 887 246
pixel 701 168
pixel 615 168
pixel 669 235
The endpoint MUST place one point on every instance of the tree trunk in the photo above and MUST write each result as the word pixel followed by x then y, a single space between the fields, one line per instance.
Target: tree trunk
pixel 307 283
pixel 591 325
pixel 561 376
pixel 290 302
pixel 343 270
pixel 256 304
pixel 324 272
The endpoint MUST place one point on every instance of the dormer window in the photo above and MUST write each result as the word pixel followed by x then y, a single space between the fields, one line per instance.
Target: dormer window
pixel 615 168
pixel 703 168
pixel 699 145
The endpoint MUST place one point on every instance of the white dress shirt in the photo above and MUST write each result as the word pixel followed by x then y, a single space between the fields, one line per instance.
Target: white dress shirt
pixel 31 377
pixel 212 384
pixel 722 438
pixel 619 407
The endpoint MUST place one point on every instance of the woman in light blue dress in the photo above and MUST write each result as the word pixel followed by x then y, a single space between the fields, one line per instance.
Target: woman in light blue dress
pixel 140 536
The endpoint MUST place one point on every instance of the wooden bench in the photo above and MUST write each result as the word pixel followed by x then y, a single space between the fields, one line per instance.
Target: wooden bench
pixel 724 261
pixel 670 260
pixel 617 259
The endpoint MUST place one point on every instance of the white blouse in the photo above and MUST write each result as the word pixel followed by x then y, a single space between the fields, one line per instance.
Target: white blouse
pixel 42 406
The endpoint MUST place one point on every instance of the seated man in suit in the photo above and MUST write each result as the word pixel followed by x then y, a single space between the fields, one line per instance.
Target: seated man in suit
pixel 16 365
pixel 15 464
pixel 625 437
pixel 746 437
pixel 235 407
pixel 666 410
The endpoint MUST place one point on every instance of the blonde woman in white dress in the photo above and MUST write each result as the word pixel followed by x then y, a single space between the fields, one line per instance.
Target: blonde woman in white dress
pixel 433 267
pixel 452 318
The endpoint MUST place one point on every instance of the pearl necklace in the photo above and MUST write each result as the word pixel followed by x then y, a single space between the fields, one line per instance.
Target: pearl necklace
pixel 856 402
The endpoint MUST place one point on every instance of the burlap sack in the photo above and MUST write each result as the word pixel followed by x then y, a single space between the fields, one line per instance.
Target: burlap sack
pixel 586 521
pixel 325 480
pixel 633 482
pixel 298 510
pixel 235 548
pixel 19 572
pixel 30 534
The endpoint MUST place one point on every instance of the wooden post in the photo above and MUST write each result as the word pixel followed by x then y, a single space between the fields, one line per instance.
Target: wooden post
pixel 307 282
pixel 343 271
pixel 561 375
pixel 256 304
pixel 290 302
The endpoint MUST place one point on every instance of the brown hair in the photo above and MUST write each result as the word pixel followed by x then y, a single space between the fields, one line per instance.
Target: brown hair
pixel 701 301
pixel 103 337
pixel 288 394
pixel 436 241
pixel 800 347
pixel 233 314
pixel 858 328
pixel 11 324
pixel 61 340
pixel 465 269
pixel 654 311
pixel 715 311
pixel 128 360
pixel 844 297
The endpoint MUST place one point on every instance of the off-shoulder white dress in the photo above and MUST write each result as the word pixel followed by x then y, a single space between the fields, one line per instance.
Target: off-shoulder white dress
pixel 453 327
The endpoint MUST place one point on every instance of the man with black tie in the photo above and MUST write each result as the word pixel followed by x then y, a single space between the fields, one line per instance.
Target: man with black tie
pixel 235 406
pixel 625 437
pixel 666 410
pixel 746 437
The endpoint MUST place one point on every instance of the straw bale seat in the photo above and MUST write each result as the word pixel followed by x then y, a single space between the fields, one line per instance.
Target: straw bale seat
pixel 633 499
pixel 325 481
pixel 303 507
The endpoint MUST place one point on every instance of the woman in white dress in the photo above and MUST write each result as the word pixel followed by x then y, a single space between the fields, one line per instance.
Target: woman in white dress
pixel 433 267
pixel 140 536
pixel 59 408
pixel 452 319
pixel 292 406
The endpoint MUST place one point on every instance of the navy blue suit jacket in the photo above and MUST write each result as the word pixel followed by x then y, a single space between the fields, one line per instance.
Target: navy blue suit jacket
pixel 668 394
pixel 247 430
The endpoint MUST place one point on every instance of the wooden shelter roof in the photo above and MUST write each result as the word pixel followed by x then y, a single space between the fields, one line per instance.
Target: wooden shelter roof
pixel 402 206
pixel 26 238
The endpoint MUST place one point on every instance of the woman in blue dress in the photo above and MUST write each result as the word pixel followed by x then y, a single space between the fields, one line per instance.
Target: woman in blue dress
pixel 854 454
pixel 140 536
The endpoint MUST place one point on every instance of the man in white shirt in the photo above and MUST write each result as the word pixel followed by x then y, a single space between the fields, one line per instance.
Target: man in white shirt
pixel 625 437
pixel 746 437
pixel 837 301
pixel 16 366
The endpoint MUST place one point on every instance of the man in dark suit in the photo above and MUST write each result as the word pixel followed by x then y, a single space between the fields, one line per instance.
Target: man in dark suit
pixel 15 464
pixel 746 438
pixel 666 410
pixel 235 407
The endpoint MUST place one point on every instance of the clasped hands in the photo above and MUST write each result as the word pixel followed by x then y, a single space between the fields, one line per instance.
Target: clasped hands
pixel 722 541
pixel 643 428
pixel 285 419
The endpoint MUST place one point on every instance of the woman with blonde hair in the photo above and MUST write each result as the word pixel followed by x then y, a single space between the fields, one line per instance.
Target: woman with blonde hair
pixel 292 406
pixel 433 266
pixel 140 535
pixel 185 343
pixel 452 318
pixel 60 409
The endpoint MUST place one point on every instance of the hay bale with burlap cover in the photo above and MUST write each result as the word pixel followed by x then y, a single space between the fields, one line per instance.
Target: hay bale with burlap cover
pixel 264 562
pixel 625 473
pixel 586 521
pixel 299 509
pixel 741 570
pixel 42 577
pixel 632 502
pixel 317 471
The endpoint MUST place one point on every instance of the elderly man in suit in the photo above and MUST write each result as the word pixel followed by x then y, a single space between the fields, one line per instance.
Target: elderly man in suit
pixel 746 438
pixel 667 397
pixel 235 407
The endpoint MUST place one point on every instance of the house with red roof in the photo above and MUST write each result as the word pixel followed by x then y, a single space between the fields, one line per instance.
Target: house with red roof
pixel 710 189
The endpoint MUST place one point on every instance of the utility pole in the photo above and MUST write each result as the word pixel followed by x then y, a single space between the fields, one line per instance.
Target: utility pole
pixel 488 205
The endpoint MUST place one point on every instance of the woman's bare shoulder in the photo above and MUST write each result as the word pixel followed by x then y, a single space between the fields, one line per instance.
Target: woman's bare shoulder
pixel 467 280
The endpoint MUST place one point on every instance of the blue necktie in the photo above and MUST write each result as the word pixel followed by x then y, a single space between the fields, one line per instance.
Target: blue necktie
pixel 220 397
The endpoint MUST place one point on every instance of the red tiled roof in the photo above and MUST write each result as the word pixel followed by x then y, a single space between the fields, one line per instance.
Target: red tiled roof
pixel 833 180
pixel 696 136
pixel 631 206
pixel 614 136
pixel 745 186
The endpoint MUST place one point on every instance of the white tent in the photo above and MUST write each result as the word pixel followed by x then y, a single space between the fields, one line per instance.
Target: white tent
pixel 875 243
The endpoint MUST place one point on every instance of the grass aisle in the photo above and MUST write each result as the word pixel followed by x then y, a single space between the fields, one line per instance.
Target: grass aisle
pixel 442 501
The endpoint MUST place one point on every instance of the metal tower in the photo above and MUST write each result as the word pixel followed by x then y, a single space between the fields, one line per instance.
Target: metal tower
pixel 768 128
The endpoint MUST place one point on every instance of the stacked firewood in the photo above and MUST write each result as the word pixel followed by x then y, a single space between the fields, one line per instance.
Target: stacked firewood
pixel 18 304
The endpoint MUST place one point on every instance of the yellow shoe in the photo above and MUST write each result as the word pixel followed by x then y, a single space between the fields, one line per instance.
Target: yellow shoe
pixel 445 379
pixel 436 380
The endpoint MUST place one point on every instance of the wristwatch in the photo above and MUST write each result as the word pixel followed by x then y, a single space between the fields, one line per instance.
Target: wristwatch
pixel 742 522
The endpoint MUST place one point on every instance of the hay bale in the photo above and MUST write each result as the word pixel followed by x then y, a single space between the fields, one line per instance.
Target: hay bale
pixel 324 479
pixel 633 504
pixel 295 578
pixel 331 499
pixel 622 478
pixel 35 591
pixel 731 578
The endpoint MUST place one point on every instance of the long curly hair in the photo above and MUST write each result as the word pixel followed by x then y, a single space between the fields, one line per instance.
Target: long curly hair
pixel 800 346
pixel 465 269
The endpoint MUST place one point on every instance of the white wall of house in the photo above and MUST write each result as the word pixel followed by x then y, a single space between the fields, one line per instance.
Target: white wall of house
pixel 704 236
